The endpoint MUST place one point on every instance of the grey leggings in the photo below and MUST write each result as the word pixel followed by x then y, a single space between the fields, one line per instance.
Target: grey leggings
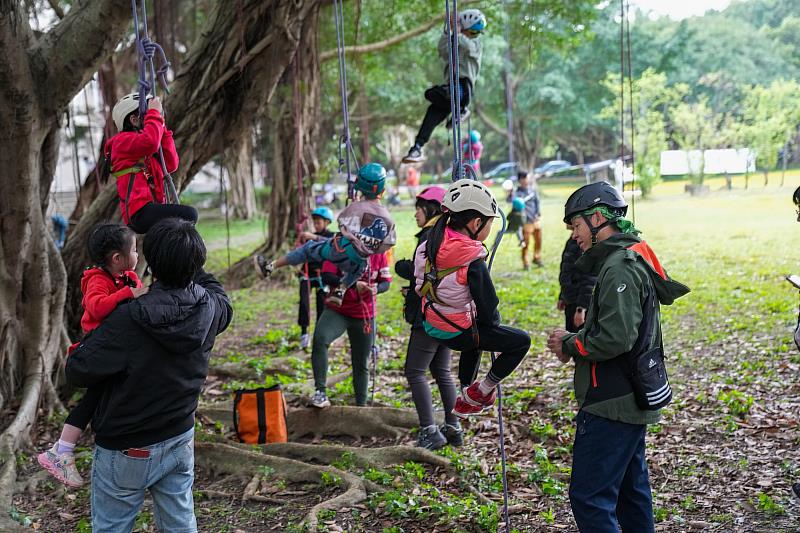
pixel 426 352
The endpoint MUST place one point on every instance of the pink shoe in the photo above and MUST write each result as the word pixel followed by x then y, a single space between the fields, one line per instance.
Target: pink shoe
pixel 472 401
pixel 62 467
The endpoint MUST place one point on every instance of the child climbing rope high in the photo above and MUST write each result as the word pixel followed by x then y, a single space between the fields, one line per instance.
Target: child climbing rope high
pixel 365 228
pixel 468 28
pixel 133 153
pixel 459 302
pixel 112 248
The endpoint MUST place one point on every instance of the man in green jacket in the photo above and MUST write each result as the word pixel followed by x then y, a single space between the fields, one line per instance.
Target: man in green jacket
pixel 609 486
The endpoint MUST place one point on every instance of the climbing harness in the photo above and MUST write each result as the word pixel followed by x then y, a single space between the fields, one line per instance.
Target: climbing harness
pixel 146 49
pixel 346 150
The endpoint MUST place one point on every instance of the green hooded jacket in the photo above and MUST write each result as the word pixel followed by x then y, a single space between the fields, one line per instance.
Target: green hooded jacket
pixel 626 269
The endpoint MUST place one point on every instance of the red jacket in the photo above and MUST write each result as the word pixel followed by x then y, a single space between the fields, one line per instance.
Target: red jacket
pixel 129 148
pixel 102 294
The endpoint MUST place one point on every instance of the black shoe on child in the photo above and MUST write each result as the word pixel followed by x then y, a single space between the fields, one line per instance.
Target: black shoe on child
pixel 263 267
pixel 431 438
pixel 453 434
pixel 414 155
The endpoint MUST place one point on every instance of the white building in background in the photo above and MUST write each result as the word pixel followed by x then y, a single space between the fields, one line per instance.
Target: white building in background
pixel 728 161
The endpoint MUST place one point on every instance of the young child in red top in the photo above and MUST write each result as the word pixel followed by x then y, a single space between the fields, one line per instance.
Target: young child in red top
pixel 133 153
pixel 110 282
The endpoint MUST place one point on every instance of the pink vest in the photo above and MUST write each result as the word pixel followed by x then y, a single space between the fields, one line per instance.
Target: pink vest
pixel 458 307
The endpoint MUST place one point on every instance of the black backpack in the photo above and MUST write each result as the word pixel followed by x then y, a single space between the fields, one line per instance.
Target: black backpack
pixel 647 371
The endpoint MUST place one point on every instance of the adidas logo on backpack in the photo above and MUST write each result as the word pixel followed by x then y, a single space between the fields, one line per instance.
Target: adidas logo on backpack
pixel 652 363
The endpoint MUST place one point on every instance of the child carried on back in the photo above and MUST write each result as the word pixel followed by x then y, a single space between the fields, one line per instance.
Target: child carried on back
pixel 459 301
pixel 365 228
pixel 112 281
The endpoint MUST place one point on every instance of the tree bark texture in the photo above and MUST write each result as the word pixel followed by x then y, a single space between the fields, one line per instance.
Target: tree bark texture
pixel 215 95
pixel 39 75
pixel 238 161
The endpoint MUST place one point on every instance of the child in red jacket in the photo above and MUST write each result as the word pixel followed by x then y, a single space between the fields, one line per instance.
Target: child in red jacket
pixel 110 282
pixel 133 153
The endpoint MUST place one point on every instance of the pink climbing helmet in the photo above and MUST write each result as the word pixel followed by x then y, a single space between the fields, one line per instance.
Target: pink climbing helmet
pixel 433 193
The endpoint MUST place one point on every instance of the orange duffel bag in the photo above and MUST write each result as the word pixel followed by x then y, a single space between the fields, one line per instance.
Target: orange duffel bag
pixel 259 415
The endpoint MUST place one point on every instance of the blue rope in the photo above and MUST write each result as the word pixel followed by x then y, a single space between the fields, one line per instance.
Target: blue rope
pixel 454 86
pixel 146 50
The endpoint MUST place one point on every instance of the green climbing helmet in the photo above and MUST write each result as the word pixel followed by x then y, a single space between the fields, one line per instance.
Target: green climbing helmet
pixel 371 180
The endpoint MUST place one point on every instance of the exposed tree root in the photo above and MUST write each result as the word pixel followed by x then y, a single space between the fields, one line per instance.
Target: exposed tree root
pixel 335 421
pixel 281 365
pixel 233 459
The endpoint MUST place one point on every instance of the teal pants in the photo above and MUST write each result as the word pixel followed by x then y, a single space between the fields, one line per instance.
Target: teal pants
pixel 330 326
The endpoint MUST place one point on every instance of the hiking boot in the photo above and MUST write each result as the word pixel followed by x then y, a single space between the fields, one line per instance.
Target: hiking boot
pixel 464 115
pixel 320 400
pixel 431 438
pixel 538 263
pixel 336 296
pixel 62 467
pixel 263 267
pixel 472 401
pixel 305 341
pixel 453 434
pixel 414 155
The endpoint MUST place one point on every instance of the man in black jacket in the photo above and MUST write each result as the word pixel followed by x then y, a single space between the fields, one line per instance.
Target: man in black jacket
pixel 151 355
pixel 576 287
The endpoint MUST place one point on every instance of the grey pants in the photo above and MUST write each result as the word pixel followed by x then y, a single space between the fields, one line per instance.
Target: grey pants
pixel 426 352
pixel 330 326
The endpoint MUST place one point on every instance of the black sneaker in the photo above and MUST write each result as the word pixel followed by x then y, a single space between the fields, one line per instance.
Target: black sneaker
pixel 796 489
pixel 414 155
pixel 431 438
pixel 320 400
pixel 263 267
pixel 453 434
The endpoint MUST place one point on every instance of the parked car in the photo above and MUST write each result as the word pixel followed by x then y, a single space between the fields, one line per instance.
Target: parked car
pixel 551 167
pixel 501 172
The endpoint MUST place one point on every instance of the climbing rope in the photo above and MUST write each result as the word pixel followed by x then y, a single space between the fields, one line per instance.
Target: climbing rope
pixel 627 23
pixel 454 85
pixel 346 150
pixel 146 50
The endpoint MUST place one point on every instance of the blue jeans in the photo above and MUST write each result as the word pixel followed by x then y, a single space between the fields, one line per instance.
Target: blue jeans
pixel 119 482
pixel 338 250
pixel 609 484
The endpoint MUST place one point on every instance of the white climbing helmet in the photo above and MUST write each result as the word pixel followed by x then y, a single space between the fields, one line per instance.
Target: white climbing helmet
pixel 472 19
pixel 124 107
pixel 466 194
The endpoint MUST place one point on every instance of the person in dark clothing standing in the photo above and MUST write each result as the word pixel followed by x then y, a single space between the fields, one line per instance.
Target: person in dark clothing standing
pixel 424 351
pixel 150 357
pixel 576 287
pixel 310 275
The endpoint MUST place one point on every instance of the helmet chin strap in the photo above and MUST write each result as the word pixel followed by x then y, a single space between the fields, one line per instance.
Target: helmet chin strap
pixel 595 229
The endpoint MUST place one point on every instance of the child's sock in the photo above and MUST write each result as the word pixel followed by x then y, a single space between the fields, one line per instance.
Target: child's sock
pixel 303 330
pixel 487 385
pixel 69 436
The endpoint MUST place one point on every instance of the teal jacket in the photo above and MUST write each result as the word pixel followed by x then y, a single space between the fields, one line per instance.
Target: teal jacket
pixel 627 269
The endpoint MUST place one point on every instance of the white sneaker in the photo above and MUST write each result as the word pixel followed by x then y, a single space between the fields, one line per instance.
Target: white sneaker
pixel 305 341
pixel 263 267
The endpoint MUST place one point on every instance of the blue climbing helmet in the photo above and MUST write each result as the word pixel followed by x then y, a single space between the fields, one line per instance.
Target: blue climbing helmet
pixel 474 136
pixel 371 180
pixel 472 20
pixel 517 204
pixel 323 212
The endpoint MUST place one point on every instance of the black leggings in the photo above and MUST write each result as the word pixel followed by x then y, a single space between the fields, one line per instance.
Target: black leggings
pixel 439 97
pixel 146 217
pixel 304 310
pixel 425 352
pixel 510 344
pixel 82 414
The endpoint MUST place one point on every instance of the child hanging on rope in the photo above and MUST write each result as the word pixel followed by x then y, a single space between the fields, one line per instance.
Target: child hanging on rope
pixel 112 248
pixel 468 28
pixel 310 274
pixel 365 228
pixel 459 302
pixel 133 154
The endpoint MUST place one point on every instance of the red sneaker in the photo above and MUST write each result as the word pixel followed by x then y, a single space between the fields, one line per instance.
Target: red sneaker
pixel 472 401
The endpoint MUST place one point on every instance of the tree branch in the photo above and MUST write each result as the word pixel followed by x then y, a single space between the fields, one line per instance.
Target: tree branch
pixel 386 43
pixel 57 8
pixel 68 55
pixel 489 122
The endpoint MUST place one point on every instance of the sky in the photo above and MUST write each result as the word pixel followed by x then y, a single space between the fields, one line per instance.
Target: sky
pixel 679 9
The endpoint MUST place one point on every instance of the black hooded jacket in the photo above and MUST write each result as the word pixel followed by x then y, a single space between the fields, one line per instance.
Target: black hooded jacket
pixel 150 356
pixel 576 285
